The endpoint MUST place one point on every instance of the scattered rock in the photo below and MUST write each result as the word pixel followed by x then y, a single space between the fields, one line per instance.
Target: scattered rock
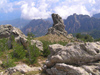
pixel 74 59
pixel 0 62
pixel 23 68
pixel 38 43
pixel 69 36
pixel 58 26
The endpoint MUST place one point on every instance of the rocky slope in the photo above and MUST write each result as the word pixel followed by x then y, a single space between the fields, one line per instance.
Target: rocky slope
pixel 73 24
pixel 6 31
pixel 38 27
pixel 74 59
pixel 81 23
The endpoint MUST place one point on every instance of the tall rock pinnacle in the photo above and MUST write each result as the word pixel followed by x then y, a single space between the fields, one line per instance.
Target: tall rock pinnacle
pixel 58 26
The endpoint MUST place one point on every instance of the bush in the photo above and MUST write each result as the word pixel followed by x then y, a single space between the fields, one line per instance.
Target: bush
pixel 46 51
pixel 46 44
pixel 8 64
pixel 32 51
pixel 3 44
pixel 78 35
pixel 97 39
pixel 86 38
pixel 18 51
pixel 62 43
pixel 30 35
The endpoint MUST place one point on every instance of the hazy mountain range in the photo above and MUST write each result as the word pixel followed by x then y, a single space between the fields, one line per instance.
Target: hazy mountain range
pixel 80 23
pixel 19 23
pixel 38 27
pixel 73 24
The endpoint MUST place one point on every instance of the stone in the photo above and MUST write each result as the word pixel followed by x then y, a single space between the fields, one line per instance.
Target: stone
pixel 38 43
pixel 69 36
pixel 58 26
pixel 0 62
pixel 23 68
pixel 74 59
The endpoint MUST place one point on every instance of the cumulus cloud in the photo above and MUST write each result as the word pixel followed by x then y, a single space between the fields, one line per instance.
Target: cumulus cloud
pixel 65 11
pixel 6 6
pixel 37 9
pixel 43 8
pixel 86 7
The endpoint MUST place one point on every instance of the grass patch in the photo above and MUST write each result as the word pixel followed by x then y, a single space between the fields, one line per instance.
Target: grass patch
pixel 53 38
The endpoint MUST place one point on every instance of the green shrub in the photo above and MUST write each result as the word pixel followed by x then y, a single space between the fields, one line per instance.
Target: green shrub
pixel 3 44
pixel 62 43
pixel 97 39
pixel 32 51
pixel 86 38
pixel 46 44
pixel 30 35
pixel 8 64
pixel 18 51
pixel 46 51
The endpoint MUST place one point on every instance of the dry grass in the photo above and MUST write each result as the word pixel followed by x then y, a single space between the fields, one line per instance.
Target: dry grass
pixel 53 38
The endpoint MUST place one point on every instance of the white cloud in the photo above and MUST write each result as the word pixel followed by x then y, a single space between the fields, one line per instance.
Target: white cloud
pixel 35 11
pixel 6 6
pixel 43 8
pixel 65 11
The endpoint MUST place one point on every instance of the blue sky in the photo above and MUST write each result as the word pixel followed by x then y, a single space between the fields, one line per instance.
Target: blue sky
pixel 37 9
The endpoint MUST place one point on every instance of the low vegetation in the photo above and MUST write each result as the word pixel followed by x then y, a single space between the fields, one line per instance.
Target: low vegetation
pixel 31 53
pixel 85 38
pixel 28 55
pixel 17 53
pixel 53 38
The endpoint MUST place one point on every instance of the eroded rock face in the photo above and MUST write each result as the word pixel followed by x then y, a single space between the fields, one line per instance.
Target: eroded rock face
pixel 74 59
pixel 58 26
pixel 6 31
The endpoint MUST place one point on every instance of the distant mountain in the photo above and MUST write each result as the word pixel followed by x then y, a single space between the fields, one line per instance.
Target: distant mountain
pixel 19 23
pixel 38 27
pixel 95 33
pixel 96 15
pixel 73 24
pixel 81 23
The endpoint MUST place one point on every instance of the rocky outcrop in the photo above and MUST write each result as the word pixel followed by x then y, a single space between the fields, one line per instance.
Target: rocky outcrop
pixel 74 59
pixel 22 68
pixel 6 31
pixel 58 26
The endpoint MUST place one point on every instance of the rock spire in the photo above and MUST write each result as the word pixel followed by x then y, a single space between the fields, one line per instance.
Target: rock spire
pixel 58 26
